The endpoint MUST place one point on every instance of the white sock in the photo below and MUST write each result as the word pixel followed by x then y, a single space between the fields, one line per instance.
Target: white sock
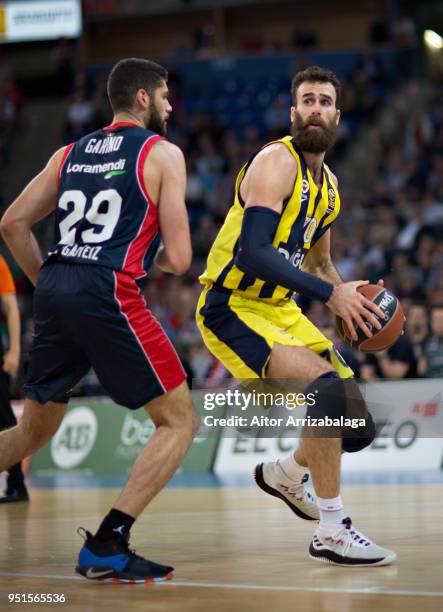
pixel 331 511
pixel 293 470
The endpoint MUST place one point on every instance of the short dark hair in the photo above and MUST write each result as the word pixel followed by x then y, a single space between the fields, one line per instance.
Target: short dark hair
pixel 315 74
pixel 128 76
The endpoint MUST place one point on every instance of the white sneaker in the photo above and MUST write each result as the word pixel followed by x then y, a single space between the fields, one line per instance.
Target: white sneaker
pixel 271 478
pixel 348 547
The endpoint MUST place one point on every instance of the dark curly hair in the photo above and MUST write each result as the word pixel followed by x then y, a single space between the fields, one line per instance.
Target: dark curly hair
pixel 315 74
pixel 128 76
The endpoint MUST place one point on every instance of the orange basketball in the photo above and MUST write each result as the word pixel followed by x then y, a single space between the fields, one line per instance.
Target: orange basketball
pixel 392 324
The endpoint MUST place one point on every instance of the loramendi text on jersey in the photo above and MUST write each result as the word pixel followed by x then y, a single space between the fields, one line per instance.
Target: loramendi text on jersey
pixel 104 214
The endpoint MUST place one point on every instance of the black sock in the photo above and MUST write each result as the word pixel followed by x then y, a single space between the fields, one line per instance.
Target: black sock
pixel 114 525
pixel 15 478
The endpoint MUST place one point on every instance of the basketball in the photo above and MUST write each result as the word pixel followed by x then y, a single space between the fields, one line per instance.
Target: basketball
pixel 392 325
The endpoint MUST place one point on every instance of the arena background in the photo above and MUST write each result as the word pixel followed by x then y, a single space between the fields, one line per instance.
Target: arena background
pixel 230 64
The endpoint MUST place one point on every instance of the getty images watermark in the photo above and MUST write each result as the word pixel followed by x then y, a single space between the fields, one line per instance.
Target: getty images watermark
pixel 245 402
pixel 407 409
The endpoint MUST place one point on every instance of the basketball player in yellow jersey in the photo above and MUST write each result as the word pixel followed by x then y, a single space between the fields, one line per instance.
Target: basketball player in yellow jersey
pixel 276 242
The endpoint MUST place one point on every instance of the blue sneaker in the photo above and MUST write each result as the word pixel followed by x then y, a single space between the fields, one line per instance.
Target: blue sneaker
pixel 113 561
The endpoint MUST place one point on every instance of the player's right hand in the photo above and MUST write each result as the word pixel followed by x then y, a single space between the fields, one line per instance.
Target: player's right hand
pixel 354 308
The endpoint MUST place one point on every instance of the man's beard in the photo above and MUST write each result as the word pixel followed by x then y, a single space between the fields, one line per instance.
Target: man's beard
pixel 313 140
pixel 155 123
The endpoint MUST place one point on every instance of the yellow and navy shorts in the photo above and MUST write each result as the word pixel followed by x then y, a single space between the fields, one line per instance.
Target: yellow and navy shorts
pixel 240 332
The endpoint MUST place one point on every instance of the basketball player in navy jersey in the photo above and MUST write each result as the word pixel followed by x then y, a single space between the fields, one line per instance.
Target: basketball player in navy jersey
pixel 116 193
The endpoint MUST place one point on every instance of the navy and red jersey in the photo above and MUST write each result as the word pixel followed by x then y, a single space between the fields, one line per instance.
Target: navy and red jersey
pixel 104 213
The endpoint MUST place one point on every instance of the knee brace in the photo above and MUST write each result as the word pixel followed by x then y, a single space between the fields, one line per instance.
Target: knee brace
pixel 356 439
pixel 330 399
pixel 336 398
pixel 361 437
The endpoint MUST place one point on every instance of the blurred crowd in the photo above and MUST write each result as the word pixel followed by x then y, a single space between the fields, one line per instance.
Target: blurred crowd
pixel 391 225
pixel 11 102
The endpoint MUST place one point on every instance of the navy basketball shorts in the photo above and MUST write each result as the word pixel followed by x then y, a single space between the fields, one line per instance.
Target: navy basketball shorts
pixel 91 316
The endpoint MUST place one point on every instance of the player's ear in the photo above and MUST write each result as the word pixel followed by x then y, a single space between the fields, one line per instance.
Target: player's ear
pixel 337 117
pixel 142 98
pixel 292 114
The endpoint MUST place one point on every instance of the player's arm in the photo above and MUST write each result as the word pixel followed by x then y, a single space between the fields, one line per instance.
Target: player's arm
pixel 318 261
pixel 37 201
pixel 175 254
pixel 11 358
pixel 269 181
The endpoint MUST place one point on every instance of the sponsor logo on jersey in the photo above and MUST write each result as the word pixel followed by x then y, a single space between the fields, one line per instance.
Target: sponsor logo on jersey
pixel 331 201
pixel 114 173
pixel 111 168
pixel 310 226
pixel 296 258
pixel 305 189
pixel 107 145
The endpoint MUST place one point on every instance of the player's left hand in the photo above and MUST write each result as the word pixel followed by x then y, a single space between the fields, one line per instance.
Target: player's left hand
pixel 11 362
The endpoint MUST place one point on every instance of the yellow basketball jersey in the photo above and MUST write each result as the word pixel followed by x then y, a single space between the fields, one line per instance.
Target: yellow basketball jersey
pixel 307 214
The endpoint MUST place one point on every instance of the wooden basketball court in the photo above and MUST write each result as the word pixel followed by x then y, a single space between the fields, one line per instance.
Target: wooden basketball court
pixel 233 549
